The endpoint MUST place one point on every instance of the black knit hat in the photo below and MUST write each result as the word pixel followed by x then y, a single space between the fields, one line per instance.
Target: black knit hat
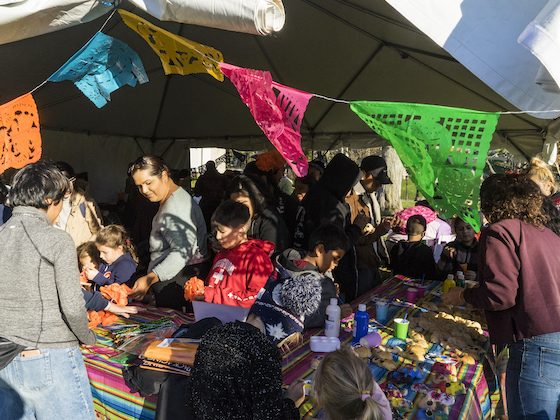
pixel 237 375
pixel 284 303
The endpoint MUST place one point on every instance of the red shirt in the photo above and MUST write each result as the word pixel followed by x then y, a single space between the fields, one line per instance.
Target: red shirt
pixel 238 274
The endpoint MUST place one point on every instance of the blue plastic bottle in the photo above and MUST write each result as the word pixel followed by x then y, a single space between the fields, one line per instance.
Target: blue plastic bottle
pixel 361 321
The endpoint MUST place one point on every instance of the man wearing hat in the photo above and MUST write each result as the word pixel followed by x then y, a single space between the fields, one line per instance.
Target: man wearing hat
pixel 363 201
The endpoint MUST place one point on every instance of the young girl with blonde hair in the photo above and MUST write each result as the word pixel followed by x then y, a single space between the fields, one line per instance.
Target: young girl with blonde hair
pixel 117 252
pixel 344 387
pixel 539 172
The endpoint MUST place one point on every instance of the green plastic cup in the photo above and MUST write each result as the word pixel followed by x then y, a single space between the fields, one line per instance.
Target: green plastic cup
pixel 401 328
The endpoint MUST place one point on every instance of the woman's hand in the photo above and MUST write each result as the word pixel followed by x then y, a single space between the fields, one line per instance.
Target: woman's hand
pixel 142 286
pixel 124 311
pixel 454 296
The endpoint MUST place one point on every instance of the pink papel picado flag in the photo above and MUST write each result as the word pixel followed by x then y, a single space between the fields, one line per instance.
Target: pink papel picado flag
pixel 278 115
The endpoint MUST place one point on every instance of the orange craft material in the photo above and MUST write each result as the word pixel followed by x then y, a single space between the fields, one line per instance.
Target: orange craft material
pixel 116 293
pixel 20 138
pixel 194 287
pixel 270 161
pixel 101 317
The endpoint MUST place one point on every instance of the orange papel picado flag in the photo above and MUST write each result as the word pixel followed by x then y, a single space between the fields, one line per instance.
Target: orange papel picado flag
pixel 20 137
pixel 178 55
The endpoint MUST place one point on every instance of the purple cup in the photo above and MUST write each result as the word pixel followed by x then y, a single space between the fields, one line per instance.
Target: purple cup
pixel 371 340
pixel 421 291
pixel 412 294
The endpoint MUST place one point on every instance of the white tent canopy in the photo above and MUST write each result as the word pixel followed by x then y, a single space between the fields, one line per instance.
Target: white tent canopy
pixel 355 50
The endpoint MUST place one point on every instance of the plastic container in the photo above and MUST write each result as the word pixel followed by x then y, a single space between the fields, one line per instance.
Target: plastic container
pixel 460 279
pixel 412 294
pixel 382 311
pixel 361 321
pixel 401 328
pixel 371 340
pixel 448 283
pixel 332 321
pixel 322 344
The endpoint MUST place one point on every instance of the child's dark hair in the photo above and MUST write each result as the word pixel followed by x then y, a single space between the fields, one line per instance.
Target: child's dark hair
pixel 88 249
pixel 330 236
pixel 114 236
pixel 231 214
pixel 38 185
pixel 415 225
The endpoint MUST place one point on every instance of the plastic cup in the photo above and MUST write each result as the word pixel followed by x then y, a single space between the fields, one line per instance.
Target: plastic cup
pixel 412 294
pixel 421 291
pixel 371 340
pixel 382 311
pixel 401 328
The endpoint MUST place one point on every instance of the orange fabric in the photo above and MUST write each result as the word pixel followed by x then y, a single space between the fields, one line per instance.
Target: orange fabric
pixel 101 317
pixel 174 351
pixel 116 293
pixel 194 287
pixel 20 137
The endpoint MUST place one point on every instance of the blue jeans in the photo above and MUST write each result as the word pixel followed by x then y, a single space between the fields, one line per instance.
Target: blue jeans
pixel 533 377
pixel 50 385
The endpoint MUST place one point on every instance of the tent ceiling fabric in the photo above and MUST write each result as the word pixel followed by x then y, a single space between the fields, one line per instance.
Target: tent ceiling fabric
pixel 355 50
pixel 487 37
pixel 29 18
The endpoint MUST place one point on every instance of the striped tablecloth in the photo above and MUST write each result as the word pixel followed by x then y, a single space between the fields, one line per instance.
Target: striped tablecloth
pixel 475 404
pixel 112 398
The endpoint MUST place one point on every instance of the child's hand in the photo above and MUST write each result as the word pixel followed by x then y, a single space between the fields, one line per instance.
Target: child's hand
pixel 450 252
pixel 345 310
pixel 296 393
pixel 124 311
pixel 91 273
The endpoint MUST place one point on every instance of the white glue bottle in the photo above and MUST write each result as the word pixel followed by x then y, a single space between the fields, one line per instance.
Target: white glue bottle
pixel 332 319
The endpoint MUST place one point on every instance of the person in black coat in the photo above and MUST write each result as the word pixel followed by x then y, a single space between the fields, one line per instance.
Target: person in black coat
pixel 324 203
pixel 266 223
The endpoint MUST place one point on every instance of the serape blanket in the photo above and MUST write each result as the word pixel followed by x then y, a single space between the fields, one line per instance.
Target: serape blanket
pixel 112 398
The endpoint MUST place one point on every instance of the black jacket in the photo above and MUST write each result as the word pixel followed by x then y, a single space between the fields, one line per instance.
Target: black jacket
pixel 270 226
pixel 324 203
pixel 413 259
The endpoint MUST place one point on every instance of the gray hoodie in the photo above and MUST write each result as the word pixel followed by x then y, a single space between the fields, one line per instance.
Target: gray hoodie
pixel 41 304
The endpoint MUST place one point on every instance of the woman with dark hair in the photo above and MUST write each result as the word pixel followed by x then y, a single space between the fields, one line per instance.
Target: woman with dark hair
pixel 266 223
pixel 520 292
pixel 42 313
pixel 178 236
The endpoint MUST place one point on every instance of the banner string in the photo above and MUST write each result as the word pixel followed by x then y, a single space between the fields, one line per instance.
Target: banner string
pixel 99 30
pixel 326 98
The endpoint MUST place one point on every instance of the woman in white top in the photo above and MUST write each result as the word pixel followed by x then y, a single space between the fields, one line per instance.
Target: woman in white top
pixel 178 236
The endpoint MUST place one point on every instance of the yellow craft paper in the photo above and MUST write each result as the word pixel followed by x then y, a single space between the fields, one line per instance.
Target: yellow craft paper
pixel 178 55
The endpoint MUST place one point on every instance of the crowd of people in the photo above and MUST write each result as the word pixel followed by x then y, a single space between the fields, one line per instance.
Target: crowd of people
pixel 281 249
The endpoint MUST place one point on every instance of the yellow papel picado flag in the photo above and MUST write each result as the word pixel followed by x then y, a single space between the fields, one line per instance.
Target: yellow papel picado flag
pixel 178 55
